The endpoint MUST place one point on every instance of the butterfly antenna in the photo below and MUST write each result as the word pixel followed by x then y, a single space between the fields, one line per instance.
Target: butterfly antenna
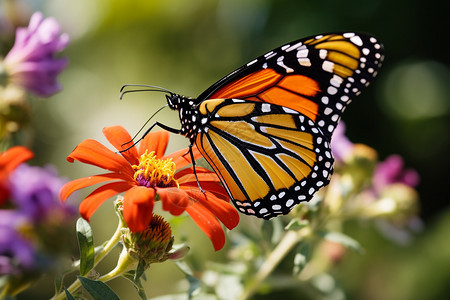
pixel 145 124
pixel 142 88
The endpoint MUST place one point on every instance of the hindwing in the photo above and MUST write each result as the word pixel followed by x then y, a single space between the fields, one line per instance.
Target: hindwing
pixel 268 156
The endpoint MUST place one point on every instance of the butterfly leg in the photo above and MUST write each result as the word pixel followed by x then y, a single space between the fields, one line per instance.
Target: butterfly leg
pixel 193 165
pixel 165 127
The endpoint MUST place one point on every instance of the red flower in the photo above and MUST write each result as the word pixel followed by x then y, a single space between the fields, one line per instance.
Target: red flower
pixel 145 175
pixel 9 160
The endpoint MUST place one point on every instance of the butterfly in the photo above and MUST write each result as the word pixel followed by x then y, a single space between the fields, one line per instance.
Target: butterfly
pixel 266 127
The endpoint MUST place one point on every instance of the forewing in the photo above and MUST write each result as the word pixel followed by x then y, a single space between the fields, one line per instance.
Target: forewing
pixel 316 76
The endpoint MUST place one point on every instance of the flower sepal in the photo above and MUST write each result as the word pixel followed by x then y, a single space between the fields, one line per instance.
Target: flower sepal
pixel 152 245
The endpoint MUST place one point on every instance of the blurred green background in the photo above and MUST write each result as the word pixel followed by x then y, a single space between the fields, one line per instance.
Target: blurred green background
pixel 185 46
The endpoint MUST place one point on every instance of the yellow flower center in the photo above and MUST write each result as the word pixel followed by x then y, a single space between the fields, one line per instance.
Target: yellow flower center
pixel 154 172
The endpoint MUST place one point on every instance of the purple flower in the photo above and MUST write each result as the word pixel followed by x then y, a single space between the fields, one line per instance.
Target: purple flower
pixel 16 253
pixel 35 191
pixel 31 62
pixel 391 171
pixel 340 144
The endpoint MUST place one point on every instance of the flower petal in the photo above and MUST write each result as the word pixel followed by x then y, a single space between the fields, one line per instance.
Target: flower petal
pixel 187 175
pixel 93 153
pixel 182 157
pixel 223 210
pixel 89 205
pixel 13 157
pixel 138 207
pixel 213 187
pixel 121 139
pixel 155 141
pixel 81 183
pixel 208 223
pixel 173 200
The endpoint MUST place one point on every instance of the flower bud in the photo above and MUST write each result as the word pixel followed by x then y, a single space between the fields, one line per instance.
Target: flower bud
pixel 152 245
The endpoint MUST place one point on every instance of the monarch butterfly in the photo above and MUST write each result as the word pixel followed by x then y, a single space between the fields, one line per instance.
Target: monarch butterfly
pixel 266 127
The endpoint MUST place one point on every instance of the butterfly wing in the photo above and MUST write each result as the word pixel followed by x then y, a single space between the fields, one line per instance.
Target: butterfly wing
pixel 266 127
pixel 316 76
pixel 269 157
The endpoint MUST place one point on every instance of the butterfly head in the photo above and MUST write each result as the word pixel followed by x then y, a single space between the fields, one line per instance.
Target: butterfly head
pixel 173 100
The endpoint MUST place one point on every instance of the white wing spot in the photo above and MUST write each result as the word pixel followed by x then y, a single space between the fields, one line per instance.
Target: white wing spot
pixel 289 111
pixel 334 118
pixel 332 90
pixel 269 54
pixel 336 80
pixel 289 203
pixel 348 34
pixel 276 207
pixel 356 40
pixel 304 62
pixel 328 66
pixel 281 64
pixel 302 53
pixel 252 62
pixel 265 107
pixel 293 47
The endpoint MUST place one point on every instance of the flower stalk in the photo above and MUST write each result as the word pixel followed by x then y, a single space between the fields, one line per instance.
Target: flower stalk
pixel 287 243
pixel 110 244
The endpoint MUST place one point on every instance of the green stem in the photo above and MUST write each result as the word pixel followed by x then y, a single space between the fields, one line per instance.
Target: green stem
pixel 290 239
pixel 125 263
pixel 108 247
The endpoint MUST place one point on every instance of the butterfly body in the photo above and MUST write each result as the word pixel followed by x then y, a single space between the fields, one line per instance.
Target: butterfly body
pixel 266 128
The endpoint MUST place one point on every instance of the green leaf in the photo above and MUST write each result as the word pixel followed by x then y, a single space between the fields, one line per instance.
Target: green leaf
pixel 98 289
pixel 58 283
pixel 296 224
pixel 137 284
pixel 69 295
pixel 86 245
pixel 194 282
pixel 139 270
pixel 267 231
pixel 343 239
pixel 301 258
pixel 272 231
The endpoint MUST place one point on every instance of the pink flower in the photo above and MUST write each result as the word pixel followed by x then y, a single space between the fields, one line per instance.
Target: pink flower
pixel 392 171
pixel 31 62
pixel 340 144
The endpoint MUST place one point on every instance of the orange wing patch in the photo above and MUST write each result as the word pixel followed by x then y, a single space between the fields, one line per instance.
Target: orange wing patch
pixel 249 85
pixel 266 85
